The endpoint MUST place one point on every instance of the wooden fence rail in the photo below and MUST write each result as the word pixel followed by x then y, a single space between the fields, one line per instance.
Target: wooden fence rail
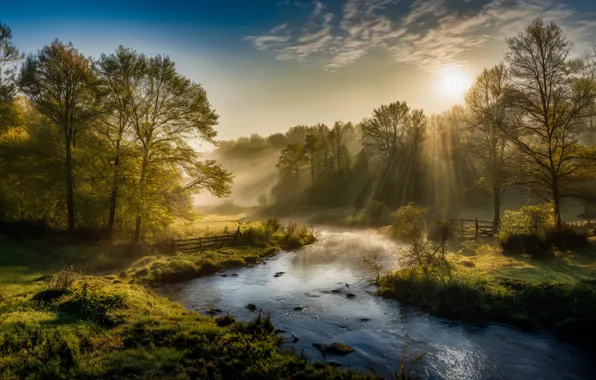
pixel 472 228
pixel 195 244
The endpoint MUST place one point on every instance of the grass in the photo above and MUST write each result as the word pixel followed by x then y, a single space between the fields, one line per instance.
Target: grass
pixel 485 260
pixel 63 325
pixel 160 269
pixel 100 329
pixel 483 285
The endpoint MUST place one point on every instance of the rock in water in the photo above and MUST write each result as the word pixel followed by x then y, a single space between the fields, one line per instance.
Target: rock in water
pixel 334 348
pixel 350 295
pixel 299 308
pixel 251 307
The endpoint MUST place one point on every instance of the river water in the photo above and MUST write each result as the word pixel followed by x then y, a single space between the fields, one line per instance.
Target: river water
pixel 319 278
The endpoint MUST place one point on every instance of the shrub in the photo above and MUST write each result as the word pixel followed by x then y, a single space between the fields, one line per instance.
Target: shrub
pixel 410 223
pixel 531 230
pixel 63 279
pixel 377 213
pixel 93 305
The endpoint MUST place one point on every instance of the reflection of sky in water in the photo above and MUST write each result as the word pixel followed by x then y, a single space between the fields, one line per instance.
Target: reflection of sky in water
pixel 453 351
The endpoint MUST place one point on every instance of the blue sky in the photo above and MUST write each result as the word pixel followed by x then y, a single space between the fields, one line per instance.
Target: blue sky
pixel 271 64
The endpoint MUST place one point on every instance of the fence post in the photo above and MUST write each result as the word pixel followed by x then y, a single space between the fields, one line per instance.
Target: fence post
pixel 476 229
pixel 199 242
pixel 462 228
pixel 238 235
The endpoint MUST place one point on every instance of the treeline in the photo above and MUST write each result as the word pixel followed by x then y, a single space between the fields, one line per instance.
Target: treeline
pixel 101 144
pixel 527 122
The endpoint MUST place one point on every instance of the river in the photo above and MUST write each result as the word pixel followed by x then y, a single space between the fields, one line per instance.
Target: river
pixel 320 277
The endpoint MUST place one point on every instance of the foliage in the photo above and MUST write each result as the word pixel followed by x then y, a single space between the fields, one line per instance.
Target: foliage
pixel 563 307
pixel 553 94
pixel 410 223
pixel 126 331
pixel 63 279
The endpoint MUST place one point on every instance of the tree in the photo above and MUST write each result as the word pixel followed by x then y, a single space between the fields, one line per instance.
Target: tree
pixel 167 110
pixel 9 54
pixel 121 74
pixel 488 112
pixel 553 94
pixel 311 145
pixel 62 85
pixel 393 135
pixel 290 165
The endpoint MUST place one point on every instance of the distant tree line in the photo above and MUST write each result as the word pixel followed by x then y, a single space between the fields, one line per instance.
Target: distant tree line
pixel 528 121
pixel 101 143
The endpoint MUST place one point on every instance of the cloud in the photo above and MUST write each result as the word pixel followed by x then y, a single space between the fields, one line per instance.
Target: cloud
pixel 429 34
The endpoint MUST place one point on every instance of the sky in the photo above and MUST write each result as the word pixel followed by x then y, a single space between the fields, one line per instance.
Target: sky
pixel 268 65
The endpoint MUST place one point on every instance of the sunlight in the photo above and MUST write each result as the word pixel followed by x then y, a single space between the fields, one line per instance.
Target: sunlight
pixel 453 83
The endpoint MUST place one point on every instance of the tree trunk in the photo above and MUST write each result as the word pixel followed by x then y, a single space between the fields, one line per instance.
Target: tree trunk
pixel 114 195
pixel 141 183
pixel 556 205
pixel 312 168
pixel 497 208
pixel 69 187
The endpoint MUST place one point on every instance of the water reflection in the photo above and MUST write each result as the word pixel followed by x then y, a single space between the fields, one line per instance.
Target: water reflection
pixel 316 277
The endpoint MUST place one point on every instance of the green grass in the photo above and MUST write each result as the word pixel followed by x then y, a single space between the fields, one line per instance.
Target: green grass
pixel 483 285
pixel 98 329
pixel 180 267
pixel 111 325
pixel 485 260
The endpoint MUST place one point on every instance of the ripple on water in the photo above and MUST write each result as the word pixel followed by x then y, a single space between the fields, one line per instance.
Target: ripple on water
pixel 453 350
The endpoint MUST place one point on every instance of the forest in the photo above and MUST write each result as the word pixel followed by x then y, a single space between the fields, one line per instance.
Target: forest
pixel 525 126
pixel 102 236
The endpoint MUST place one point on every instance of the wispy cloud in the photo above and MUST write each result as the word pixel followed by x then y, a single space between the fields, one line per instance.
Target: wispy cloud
pixel 427 33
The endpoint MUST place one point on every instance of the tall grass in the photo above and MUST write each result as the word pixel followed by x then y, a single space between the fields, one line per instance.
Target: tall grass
pixel 567 308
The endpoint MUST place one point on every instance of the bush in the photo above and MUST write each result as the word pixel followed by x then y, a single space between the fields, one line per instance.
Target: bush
pixel 377 213
pixel 93 305
pixel 531 230
pixel 63 279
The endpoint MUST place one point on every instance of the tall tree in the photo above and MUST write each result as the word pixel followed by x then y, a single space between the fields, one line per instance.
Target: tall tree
pixel 553 95
pixel 9 54
pixel 121 73
pixel 62 85
pixel 393 135
pixel 488 112
pixel 167 110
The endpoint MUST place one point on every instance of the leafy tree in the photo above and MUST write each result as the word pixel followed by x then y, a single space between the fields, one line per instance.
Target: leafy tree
pixel 489 112
pixel 9 54
pixel 62 85
pixel 394 134
pixel 122 74
pixel 167 110
pixel 553 94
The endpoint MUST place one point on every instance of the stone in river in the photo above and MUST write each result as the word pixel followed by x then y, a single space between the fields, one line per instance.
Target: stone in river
pixel 334 348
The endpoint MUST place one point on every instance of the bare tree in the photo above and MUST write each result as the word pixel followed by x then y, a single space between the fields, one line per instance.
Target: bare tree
pixel 553 94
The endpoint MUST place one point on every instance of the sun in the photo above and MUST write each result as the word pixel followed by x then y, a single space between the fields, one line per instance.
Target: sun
pixel 453 83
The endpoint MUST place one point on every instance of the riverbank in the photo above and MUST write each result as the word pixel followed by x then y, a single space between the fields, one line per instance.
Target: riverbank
pixel 557 294
pixel 93 328
pixel 64 324
pixel 69 325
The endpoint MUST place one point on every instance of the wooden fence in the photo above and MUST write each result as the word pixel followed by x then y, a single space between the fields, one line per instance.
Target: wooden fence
pixel 196 244
pixel 472 228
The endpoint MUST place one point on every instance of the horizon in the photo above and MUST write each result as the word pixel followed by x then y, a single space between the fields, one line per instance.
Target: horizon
pixel 272 65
